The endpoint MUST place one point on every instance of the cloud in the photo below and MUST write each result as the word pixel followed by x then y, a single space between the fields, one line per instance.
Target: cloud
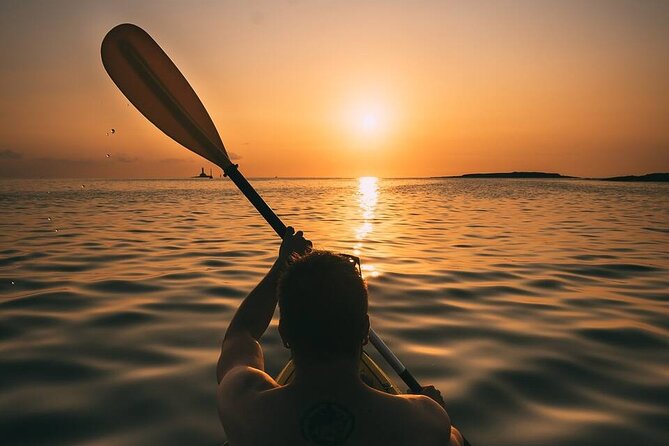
pixel 57 160
pixel 10 155
pixel 234 156
pixel 174 160
pixel 125 158
pixel 117 165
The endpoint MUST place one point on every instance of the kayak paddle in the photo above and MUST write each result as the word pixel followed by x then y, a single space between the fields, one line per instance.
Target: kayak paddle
pixel 156 87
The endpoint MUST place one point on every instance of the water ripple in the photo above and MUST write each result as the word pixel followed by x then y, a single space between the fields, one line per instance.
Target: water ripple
pixel 539 308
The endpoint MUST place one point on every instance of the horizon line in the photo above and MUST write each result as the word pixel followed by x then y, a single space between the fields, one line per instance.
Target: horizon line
pixel 463 176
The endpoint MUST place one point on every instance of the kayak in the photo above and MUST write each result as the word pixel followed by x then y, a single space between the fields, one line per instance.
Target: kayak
pixel 370 373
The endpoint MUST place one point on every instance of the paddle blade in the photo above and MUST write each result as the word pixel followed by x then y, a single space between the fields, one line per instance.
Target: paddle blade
pixel 151 81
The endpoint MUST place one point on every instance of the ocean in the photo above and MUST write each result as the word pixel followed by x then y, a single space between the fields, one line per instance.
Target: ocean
pixel 539 308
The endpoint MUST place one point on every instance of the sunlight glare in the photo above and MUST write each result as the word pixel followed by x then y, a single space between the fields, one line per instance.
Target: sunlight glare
pixel 368 187
pixel 369 122
pixel 368 194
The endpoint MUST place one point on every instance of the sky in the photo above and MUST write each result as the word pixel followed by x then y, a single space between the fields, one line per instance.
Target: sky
pixel 346 88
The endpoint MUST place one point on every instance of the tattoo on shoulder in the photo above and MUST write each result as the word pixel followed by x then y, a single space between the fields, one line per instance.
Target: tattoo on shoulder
pixel 327 424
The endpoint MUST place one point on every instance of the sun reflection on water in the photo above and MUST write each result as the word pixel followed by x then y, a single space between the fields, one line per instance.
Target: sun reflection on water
pixel 368 194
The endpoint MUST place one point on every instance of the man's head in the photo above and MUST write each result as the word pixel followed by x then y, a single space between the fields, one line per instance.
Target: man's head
pixel 323 303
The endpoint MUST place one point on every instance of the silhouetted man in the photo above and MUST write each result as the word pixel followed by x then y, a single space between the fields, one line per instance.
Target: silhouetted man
pixel 323 303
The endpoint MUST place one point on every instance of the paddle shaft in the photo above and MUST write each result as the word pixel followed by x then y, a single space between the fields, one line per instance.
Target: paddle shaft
pixel 275 222
pixel 256 200
pixel 394 362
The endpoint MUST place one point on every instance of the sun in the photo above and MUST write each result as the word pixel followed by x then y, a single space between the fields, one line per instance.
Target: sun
pixel 369 121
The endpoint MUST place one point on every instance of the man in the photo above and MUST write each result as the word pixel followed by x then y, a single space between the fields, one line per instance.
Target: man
pixel 323 303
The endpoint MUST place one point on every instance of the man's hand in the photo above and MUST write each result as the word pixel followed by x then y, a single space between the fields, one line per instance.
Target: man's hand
pixel 293 243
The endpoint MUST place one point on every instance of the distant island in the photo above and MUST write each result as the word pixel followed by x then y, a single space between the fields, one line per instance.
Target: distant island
pixel 648 177
pixel 655 177
pixel 510 175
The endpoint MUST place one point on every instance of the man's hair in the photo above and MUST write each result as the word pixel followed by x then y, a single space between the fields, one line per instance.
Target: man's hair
pixel 323 305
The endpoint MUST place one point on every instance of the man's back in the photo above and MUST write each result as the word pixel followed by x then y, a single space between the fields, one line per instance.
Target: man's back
pixel 255 410
pixel 324 322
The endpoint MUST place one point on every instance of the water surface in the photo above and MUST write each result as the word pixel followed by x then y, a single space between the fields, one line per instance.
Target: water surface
pixel 539 308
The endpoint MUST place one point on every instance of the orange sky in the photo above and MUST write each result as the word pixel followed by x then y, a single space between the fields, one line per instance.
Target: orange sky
pixel 347 88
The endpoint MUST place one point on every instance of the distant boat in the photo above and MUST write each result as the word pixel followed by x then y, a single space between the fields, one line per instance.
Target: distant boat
pixel 204 175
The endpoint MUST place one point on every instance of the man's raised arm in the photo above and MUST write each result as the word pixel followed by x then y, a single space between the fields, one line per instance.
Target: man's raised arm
pixel 240 345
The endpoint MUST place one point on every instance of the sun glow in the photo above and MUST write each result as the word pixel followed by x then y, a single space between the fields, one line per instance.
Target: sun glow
pixel 368 121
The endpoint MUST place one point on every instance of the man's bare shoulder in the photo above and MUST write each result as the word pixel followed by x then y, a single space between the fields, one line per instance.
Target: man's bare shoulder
pixel 437 418
pixel 242 383
pixel 419 411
